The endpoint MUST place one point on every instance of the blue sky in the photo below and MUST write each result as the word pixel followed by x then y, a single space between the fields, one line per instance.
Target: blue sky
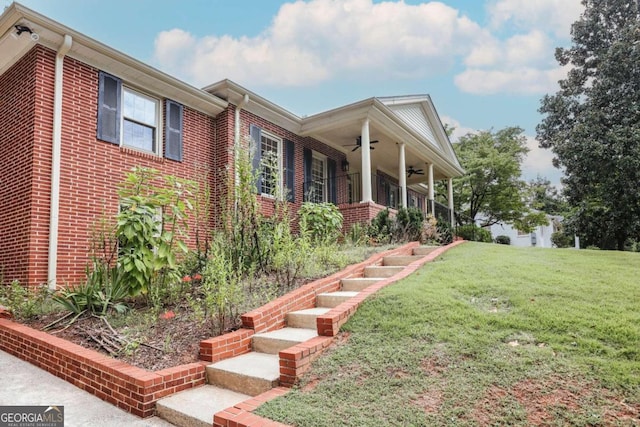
pixel 485 63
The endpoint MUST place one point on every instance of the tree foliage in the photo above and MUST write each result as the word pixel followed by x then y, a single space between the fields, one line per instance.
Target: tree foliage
pixel 592 124
pixel 545 197
pixel 491 190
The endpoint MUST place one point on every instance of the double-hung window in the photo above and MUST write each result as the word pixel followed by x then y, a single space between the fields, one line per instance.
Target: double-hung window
pixel 139 121
pixel 274 158
pixel 130 118
pixel 318 190
pixel 271 155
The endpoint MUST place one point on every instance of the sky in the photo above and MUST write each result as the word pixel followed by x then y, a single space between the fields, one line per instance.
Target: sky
pixel 485 63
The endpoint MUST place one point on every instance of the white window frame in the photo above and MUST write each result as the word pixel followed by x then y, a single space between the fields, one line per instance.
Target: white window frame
pixel 325 176
pixel 157 142
pixel 279 154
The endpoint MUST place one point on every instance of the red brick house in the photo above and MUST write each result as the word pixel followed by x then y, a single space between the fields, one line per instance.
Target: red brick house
pixel 76 115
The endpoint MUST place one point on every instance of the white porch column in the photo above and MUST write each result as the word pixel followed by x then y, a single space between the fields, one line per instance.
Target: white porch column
pixel 450 198
pixel 402 175
pixel 366 162
pixel 432 206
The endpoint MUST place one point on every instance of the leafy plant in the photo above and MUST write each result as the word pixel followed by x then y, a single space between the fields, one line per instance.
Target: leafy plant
pixel 561 240
pixel 381 228
pixel 24 302
pixel 503 240
pixel 474 233
pixel 323 221
pixel 408 225
pixel 358 234
pixel 105 289
pixel 221 286
pixel 150 226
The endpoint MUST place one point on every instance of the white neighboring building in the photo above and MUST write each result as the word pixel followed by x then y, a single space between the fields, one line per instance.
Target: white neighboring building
pixel 540 237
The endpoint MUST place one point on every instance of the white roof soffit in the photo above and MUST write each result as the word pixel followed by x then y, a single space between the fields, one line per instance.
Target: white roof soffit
pixel 105 58
pixel 234 93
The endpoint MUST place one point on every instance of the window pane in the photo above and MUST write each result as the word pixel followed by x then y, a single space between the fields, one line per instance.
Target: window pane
pixel 319 182
pixel 138 136
pixel 139 108
pixel 270 165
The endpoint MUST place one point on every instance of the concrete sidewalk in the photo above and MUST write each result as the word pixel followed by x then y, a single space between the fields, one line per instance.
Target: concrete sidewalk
pixel 25 384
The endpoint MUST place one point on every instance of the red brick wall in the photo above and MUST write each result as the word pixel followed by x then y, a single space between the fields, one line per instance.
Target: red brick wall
pixel 19 93
pixel 90 169
pixel 247 119
pixel 133 389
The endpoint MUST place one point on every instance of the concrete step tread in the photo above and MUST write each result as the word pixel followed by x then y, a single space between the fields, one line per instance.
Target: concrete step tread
pixel 400 260
pixel 254 364
pixel 289 334
pixel 317 311
pixel 382 271
pixel 348 294
pixel 424 250
pixel 196 407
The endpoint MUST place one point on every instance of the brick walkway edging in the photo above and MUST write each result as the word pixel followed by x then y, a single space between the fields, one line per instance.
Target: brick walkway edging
pixel 295 360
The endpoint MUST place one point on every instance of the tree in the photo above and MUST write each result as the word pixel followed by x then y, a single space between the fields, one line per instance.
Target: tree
pixel 545 197
pixel 592 124
pixel 492 189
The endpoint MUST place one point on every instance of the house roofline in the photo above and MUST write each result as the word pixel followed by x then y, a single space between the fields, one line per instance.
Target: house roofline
pixel 139 73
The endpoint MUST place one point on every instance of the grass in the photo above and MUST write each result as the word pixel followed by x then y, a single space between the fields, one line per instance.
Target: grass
pixel 486 335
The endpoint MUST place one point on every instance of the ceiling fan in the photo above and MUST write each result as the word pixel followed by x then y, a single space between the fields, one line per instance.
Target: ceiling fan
pixel 412 171
pixel 358 144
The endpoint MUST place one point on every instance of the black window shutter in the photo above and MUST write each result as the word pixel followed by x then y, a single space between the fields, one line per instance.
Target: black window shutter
pixel 290 170
pixel 331 171
pixel 109 100
pixel 308 177
pixel 173 131
pixel 256 134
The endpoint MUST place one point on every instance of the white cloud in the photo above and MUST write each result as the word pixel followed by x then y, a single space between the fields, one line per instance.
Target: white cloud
pixel 554 16
pixel 539 162
pixel 520 80
pixel 458 130
pixel 309 42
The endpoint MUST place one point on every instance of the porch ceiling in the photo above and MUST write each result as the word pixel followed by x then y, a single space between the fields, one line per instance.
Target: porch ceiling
pixel 385 154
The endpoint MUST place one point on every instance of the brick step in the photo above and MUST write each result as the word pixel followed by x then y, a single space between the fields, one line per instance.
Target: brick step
pixel 275 341
pixel 401 260
pixel 424 250
pixel 358 283
pixel 334 299
pixel 196 407
pixel 382 271
pixel 305 318
pixel 252 373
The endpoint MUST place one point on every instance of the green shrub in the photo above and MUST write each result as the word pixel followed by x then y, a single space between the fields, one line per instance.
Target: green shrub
pixel 474 233
pixel 381 228
pixel 561 240
pixel 503 240
pixel 408 224
pixel 323 221
pixel 24 302
pixel 358 234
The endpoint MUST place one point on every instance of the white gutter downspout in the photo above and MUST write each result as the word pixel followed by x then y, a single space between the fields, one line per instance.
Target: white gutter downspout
pixel 245 101
pixel 55 162
pixel 236 140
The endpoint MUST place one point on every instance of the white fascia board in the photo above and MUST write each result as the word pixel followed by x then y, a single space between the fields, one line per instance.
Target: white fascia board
pixel 336 117
pixel 97 54
pixel 384 117
pixel 258 105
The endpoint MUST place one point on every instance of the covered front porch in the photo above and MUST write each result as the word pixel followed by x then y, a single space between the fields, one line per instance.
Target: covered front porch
pixel 395 149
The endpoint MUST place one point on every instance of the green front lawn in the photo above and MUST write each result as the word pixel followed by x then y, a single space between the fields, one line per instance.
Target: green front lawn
pixel 486 335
